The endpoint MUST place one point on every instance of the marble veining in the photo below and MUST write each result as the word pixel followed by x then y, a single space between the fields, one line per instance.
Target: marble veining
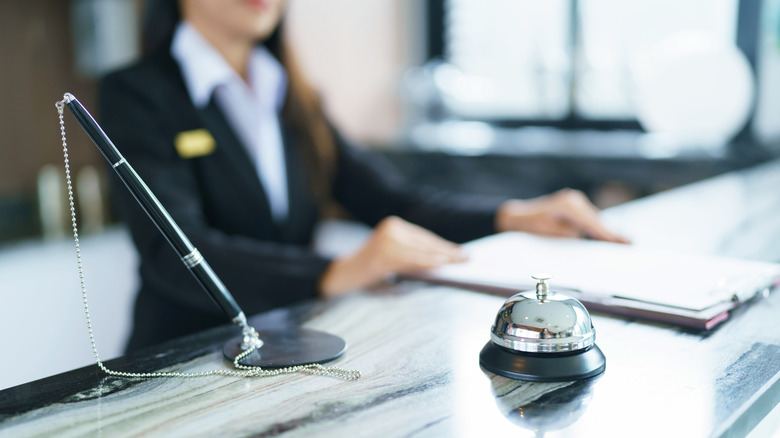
pixel 744 377
pixel 417 347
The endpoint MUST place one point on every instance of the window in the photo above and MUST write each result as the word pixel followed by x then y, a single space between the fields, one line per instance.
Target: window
pixel 559 60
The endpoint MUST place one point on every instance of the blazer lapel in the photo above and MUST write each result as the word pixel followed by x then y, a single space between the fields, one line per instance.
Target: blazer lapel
pixel 232 155
pixel 235 153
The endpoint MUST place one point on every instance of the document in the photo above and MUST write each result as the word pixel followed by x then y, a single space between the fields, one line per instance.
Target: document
pixel 607 270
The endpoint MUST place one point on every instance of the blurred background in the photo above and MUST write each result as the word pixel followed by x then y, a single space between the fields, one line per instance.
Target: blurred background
pixel 501 97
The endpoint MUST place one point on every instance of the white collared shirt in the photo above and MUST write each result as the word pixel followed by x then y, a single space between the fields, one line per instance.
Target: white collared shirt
pixel 252 108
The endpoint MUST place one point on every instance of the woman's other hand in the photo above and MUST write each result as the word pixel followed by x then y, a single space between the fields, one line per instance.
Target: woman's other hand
pixel 395 246
pixel 565 213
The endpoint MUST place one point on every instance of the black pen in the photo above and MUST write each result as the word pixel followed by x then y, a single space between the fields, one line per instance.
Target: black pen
pixel 167 226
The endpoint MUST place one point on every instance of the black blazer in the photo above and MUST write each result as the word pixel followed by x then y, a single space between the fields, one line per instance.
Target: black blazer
pixel 220 204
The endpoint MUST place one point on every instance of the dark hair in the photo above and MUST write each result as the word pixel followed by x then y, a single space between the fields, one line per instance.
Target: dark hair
pixel 302 108
pixel 159 22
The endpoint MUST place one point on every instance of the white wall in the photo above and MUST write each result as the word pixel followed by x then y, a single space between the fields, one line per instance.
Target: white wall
pixel 353 52
pixel 42 325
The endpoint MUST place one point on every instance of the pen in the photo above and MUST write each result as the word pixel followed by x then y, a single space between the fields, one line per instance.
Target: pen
pixel 167 226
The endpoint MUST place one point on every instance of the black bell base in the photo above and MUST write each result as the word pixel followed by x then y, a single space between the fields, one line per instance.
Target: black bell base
pixel 289 347
pixel 542 367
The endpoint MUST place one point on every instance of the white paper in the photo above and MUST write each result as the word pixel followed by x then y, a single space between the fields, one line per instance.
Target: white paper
pixel 599 268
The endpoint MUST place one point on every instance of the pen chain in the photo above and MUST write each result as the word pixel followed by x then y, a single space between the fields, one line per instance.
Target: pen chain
pixel 240 371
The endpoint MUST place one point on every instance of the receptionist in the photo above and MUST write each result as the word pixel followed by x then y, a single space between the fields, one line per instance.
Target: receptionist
pixel 219 120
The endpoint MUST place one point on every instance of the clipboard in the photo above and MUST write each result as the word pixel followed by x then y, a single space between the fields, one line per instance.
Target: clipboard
pixel 689 290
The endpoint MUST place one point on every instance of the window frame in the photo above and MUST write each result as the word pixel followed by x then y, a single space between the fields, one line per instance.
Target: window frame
pixel 748 28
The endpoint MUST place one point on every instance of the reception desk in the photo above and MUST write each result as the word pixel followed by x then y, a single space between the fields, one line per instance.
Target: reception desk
pixel 417 348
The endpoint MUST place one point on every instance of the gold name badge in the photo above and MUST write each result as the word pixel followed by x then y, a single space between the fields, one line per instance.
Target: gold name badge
pixel 193 144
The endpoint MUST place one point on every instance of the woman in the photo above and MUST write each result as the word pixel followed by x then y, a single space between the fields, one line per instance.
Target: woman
pixel 220 123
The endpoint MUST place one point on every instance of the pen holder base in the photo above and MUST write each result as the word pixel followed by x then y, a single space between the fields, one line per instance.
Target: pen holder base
pixel 288 347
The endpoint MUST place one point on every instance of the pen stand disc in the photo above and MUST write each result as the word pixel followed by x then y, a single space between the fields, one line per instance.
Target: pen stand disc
pixel 289 347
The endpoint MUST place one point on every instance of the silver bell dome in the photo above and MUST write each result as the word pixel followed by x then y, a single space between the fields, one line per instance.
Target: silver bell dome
pixel 543 321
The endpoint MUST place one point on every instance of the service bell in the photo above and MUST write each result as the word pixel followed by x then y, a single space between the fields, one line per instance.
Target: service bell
pixel 543 336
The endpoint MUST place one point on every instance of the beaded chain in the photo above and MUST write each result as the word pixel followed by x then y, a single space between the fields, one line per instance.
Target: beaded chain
pixel 240 371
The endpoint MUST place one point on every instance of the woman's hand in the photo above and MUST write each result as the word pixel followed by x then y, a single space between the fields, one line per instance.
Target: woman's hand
pixel 395 246
pixel 565 213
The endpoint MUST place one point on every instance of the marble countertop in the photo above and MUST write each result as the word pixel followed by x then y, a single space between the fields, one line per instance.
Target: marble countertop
pixel 417 347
